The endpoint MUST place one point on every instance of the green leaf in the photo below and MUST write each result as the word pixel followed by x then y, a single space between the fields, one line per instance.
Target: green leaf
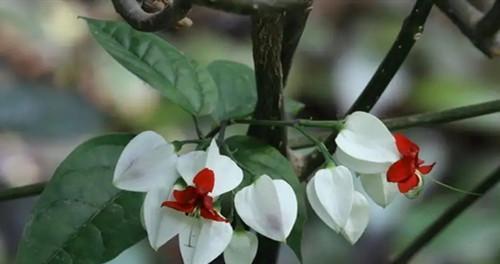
pixel 236 88
pixel 293 107
pixel 81 217
pixel 159 64
pixel 257 158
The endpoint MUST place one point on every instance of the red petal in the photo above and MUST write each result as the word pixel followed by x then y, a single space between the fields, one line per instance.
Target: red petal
pixel 186 196
pixel 408 184
pixel 401 170
pixel 208 202
pixel 426 168
pixel 212 215
pixel 186 208
pixel 204 181
pixel 405 146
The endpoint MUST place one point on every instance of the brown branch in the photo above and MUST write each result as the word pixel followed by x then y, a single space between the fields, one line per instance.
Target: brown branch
pixel 248 7
pixel 479 28
pixel 447 217
pixel 294 24
pixel 138 18
pixel 267 36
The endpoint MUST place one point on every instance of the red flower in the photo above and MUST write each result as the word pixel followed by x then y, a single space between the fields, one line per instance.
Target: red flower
pixel 196 197
pixel 408 170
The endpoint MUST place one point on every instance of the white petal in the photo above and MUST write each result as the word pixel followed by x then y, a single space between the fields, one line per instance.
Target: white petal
pixel 189 164
pixel 318 208
pixel 365 139
pixel 161 223
pixel 379 189
pixel 204 240
pixel 227 173
pixel 358 220
pixel 359 165
pixel 268 206
pixel 330 193
pixel 242 249
pixel 288 205
pixel 148 161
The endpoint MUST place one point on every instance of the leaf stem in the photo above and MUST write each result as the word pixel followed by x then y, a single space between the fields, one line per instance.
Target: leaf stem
pixel 23 191
pixel 447 217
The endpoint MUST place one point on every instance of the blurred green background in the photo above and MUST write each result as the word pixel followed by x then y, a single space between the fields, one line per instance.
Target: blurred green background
pixel 58 88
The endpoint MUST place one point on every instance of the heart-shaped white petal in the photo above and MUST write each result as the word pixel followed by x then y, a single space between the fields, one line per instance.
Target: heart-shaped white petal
pixel 242 249
pixel 358 219
pixel 204 240
pixel 147 162
pixel 365 145
pixel 161 223
pixel 330 193
pixel 268 206
pixel 227 173
pixel 379 189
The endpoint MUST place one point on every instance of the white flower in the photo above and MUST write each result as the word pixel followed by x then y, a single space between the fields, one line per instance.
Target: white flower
pixel 242 249
pixel 379 189
pixel 146 165
pixel 366 146
pixel 386 162
pixel 268 207
pixel 146 162
pixel 332 196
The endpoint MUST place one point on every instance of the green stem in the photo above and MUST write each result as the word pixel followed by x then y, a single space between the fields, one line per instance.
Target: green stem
pixel 447 217
pixel 444 116
pixel 411 30
pixel 23 191
pixel 331 124
pixel 321 147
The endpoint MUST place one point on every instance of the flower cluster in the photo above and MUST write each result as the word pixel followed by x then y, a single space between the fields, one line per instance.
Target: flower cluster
pixel 385 163
pixel 182 194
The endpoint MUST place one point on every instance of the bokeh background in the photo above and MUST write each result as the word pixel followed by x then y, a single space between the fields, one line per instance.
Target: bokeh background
pixel 59 88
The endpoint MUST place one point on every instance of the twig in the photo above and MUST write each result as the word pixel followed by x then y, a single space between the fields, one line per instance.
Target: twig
pixel 330 124
pixel 294 24
pixel 478 28
pixel 247 7
pixel 141 20
pixel 23 191
pixel 490 23
pixel 447 217
pixel 445 116
pixel 411 31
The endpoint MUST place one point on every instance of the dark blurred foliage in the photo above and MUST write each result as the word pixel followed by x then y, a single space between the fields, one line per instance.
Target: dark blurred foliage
pixel 57 88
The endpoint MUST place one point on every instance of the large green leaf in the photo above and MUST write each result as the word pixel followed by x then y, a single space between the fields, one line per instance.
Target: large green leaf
pixel 80 216
pixel 258 158
pixel 159 64
pixel 236 88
